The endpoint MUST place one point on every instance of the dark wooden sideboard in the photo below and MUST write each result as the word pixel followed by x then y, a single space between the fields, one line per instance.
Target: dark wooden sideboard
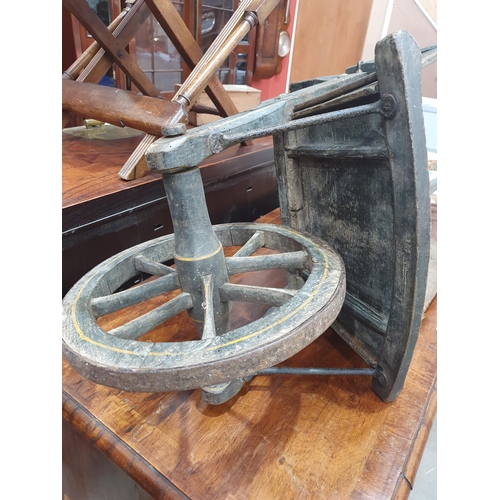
pixel 103 214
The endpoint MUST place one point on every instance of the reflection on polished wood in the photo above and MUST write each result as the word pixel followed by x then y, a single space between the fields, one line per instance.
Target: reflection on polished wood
pixel 286 437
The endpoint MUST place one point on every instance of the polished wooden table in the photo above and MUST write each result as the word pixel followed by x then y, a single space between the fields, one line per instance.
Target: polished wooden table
pixel 281 437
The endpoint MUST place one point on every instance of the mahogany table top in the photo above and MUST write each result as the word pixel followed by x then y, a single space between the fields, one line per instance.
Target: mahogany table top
pixel 282 436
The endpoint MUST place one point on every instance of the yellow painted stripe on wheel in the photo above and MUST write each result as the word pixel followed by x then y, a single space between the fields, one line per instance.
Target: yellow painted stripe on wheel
pixel 232 342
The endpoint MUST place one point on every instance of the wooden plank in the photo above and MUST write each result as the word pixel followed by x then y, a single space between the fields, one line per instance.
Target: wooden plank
pixel 118 107
pixel 90 166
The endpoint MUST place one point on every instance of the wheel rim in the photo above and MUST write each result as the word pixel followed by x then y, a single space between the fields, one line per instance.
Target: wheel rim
pixel 117 360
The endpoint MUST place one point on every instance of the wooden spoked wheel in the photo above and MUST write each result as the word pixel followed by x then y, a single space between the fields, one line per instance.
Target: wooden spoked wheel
pixel 118 358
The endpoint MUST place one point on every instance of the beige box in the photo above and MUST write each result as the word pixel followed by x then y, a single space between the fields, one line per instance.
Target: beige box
pixel 243 96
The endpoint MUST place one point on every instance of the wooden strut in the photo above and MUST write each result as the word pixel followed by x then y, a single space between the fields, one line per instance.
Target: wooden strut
pixel 124 32
pixel 116 50
pixel 73 72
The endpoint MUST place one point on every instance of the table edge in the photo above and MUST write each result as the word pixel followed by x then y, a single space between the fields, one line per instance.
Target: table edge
pixel 133 464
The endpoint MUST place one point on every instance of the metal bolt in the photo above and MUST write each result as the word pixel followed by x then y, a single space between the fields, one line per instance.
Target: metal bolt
pixel 380 377
pixel 388 106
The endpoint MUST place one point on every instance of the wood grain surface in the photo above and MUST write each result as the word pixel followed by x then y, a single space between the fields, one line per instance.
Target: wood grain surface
pixel 90 166
pixel 282 436
pixel 329 37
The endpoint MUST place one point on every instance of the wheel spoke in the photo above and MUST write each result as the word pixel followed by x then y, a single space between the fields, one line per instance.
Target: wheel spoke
pixel 149 266
pixel 120 300
pixel 253 244
pixel 145 323
pixel 209 330
pixel 290 260
pixel 257 294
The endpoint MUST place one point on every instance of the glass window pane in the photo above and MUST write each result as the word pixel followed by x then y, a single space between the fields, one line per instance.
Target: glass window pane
pixel 143 39
pixel 215 15
pixel 241 69
pixel 167 80
pixel 223 73
pixel 165 56
pixel 156 53
pixel 101 8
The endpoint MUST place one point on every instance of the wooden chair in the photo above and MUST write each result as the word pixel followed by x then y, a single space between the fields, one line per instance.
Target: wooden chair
pixel 125 108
